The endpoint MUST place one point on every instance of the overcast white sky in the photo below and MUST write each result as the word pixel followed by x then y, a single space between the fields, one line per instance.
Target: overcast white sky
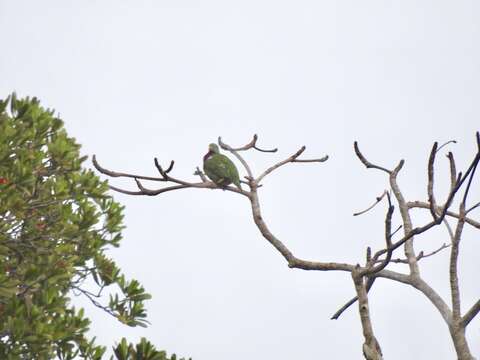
pixel 138 79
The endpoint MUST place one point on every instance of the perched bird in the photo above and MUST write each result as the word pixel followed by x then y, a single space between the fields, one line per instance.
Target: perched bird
pixel 219 168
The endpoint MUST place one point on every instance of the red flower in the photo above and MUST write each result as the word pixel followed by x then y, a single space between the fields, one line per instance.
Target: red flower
pixel 40 225
pixel 3 181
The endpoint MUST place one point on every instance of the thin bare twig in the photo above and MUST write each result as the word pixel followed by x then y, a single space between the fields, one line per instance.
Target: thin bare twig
pixel 388 243
pixel 251 145
pixel 352 301
pixel 201 174
pixel 322 159
pixel 365 162
pixel 121 174
pixel 421 255
pixel 431 196
pixel 446 143
pixel 453 170
pixel 377 200
pixel 290 159
pixel 473 207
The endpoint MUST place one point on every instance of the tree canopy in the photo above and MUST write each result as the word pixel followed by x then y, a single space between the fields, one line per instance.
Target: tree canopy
pixel 57 222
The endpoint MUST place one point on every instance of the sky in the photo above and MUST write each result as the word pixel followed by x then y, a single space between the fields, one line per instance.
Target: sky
pixel 134 80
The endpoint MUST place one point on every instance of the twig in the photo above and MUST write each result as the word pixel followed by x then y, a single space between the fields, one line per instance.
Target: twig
pixel 431 196
pixel 377 200
pixel 121 174
pixel 352 301
pixel 251 145
pixel 453 170
pixel 421 255
pixel 446 143
pixel 367 163
pixel 388 243
pixel 290 159
pixel 201 174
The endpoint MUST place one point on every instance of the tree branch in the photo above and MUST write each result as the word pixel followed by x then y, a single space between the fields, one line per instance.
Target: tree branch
pixel 424 205
pixel 251 145
pixel 365 162
pixel 474 310
pixel 165 177
pixel 371 347
pixel 292 158
pixel 377 200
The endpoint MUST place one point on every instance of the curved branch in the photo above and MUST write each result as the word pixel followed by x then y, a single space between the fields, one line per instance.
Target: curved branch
pixel 474 310
pixel 251 145
pixel 293 262
pixel 121 174
pixel 423 287
pixel 149 192
pixel 377 200
pixel 290 159
pixel 365 162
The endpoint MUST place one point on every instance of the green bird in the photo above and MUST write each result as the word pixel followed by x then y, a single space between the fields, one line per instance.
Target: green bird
pixel 219 168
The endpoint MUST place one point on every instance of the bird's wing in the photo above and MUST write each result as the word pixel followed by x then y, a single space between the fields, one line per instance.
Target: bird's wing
pixel 217 166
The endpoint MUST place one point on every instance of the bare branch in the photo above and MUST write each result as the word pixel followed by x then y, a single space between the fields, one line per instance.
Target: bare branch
pixel 377 200
pixel 446 143
pixel 367 163
pixel 424 205
pixel 238 156
pixel 423 287
pixel 453 170
pixel 470 179
pixel 165 177
pixel 120 174
pixel 162 172
pixel 406 219
pixel 431 196
pixel 473 207
pixel 251 145
pixel 290 159
pixel 322 159
pixel 201 174
pixel 474 310
pixel 421 255
pixel 388 242
pixel 371 347
pixel 340 311
pixel 399 227
pixel 293 262
pixel 281 163
pixel 453 269
pixel 418 230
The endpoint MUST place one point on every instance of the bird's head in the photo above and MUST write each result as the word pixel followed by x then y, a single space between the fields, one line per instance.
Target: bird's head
pixel 213 148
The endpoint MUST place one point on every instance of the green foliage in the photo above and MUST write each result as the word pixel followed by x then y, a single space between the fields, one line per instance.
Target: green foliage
pixel 56 222
pixel 143 350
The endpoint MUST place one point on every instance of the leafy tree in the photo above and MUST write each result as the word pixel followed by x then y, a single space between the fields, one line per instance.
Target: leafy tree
pixel 57 222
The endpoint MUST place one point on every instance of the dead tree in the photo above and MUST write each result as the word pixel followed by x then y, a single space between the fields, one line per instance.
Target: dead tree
pixel 375 264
